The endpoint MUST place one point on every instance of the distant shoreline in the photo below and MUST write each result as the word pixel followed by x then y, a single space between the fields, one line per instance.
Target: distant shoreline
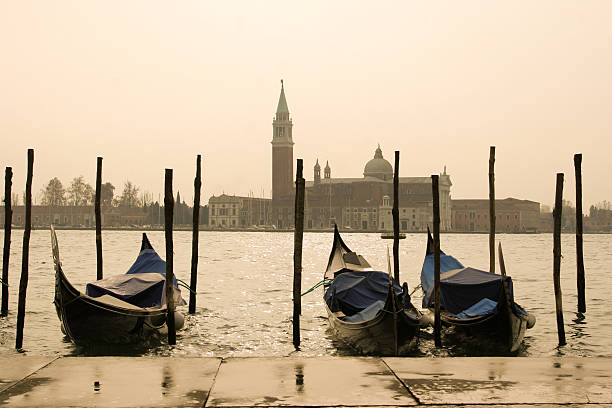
pixel 188 228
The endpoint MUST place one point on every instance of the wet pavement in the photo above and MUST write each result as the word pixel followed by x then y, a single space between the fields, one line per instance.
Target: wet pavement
pixel 29 381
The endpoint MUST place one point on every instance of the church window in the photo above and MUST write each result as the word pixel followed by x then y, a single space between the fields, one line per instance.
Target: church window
pixel 212 211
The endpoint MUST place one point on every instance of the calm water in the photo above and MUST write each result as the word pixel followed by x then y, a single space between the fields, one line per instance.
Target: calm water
pixel 245 280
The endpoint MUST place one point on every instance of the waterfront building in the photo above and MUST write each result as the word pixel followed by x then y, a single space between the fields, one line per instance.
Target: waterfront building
pixel 360 203
pixel 512 215
pixel 227 212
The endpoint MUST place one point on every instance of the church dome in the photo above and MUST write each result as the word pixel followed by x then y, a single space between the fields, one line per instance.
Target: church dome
pixel 378 167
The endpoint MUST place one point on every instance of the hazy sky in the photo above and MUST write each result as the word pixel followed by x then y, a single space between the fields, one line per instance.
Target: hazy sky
pixel 150 84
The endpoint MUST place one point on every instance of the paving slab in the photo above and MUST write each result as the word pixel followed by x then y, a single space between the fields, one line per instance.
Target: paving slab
pixel 316 381
pixel 491 380
pixel 16 367
pixel 116 382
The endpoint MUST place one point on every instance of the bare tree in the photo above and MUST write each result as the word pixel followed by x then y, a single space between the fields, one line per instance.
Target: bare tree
pixel 15 199
pixel 54 193
pixel 129 196
pixel 80 193
pixel 604 205
pixel 107 191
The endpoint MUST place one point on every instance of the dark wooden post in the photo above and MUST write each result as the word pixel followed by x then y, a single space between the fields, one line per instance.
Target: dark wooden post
pixel 98 215
pixel 580 281
pixel 168 213
pixel 396 219
pixel 8 219
pixel 297 252
pixel 492 209
pixel 557 258
pixel 436 238
pixel 197 184
pixel 502 267
pixel 25 259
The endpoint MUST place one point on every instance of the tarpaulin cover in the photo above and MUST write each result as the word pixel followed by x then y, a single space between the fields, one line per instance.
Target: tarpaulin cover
pixel 367 313
pixel 460 289
pixel 141 289
pixel 149 261
pixel 358 290
pixel 447 263
pixel 483 307
pixel 143 285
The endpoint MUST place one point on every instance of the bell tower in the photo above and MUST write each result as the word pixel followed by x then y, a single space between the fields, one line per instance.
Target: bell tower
pixel 282 150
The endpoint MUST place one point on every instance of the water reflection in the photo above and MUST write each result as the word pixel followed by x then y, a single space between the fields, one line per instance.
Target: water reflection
pixel 299 378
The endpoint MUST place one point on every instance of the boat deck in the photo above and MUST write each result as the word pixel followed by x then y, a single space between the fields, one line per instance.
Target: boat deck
pixel 34 381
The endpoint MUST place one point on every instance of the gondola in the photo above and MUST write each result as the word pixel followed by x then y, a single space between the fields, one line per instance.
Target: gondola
pixel 364 309
pixel 121 309
pixel 473 305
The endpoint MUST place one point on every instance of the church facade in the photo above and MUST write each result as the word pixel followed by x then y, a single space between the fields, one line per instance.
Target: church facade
pixel 360 203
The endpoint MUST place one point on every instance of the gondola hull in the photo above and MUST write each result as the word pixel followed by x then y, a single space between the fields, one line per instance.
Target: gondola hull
pixel 392 330
pixel 375 336
pixel 86 320
pixel 484 327
pixel 487 333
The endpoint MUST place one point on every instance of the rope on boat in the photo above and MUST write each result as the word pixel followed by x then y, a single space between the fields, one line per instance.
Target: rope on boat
pixel 323 282
pixel 183 284
pixel 3 283
pixel 415 289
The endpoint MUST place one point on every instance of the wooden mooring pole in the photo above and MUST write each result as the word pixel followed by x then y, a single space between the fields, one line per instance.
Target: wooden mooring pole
pixel 25 259
pixel 297 252
pixel 8 219
pixel 98 215
pixel 492 209
pixel 197 185
pixel 436 238
pixel 168 215
pixel 395 212
pixel 557 212
pixel 580 281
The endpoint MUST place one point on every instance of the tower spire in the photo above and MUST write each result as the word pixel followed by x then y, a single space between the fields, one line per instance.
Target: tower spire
pixel 282 101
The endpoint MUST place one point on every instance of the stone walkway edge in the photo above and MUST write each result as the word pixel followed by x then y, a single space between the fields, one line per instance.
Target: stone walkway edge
pixel 39 381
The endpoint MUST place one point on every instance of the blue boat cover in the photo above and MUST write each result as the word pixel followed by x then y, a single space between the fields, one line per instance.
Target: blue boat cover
pixel 463 288
pixel 367 313
pixel 143 285
pixel 358 290
pixel 447 263
pixel 483 307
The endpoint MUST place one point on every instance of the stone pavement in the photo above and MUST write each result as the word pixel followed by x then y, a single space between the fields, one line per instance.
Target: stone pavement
pixel 27 381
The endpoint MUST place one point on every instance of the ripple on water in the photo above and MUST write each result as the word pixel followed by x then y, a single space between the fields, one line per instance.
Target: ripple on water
pixel 245 300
